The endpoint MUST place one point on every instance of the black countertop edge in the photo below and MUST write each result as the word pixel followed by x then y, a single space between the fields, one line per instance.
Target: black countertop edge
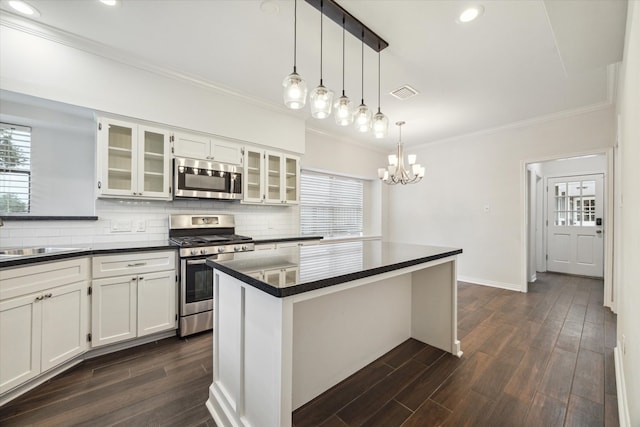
pixel 318 284
pixel 260 241
pixel 26 260
pixel 48 218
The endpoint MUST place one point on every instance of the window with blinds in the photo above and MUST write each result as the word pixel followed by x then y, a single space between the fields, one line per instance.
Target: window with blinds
pixel 330 205
pixel 321 261
pixel 15 169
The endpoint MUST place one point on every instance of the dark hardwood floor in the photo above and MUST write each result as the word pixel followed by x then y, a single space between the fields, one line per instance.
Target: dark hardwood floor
pixel 544 358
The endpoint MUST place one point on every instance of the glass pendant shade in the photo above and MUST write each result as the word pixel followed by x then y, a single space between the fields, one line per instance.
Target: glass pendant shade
pixel 343 111
pixel 321 100
pixel 362 118
pixel 380 125
pixel 295 91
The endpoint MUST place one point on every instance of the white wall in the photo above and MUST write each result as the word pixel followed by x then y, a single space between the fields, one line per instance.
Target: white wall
pixel 468 174
pixel 45 68
pixel 628 204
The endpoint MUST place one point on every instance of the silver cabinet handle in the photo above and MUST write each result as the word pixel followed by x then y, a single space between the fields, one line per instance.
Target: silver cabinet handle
pixel 599 231
pixel 40 298
pixel 137 264
pixel 49 295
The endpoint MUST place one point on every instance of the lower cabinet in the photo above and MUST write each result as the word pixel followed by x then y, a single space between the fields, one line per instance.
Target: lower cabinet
pixel 140 303
pixel 41 329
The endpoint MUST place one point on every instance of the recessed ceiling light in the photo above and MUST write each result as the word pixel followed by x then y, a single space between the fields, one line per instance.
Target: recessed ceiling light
pixel 24 8
pixel 470 13
pixel 109 2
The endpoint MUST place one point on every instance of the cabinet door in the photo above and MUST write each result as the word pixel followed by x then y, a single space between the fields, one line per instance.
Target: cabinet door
pixel 192 146
pixel 273 178
pixel 226 152
pixel 154 164
pixel 113 310
pixel 156 302
pixel 20 329
pixel 117 158
pixel 291 180
pixel 253 186
pixel 64 324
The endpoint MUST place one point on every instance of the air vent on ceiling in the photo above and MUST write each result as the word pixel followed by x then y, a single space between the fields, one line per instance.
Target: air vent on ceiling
pixel 404 92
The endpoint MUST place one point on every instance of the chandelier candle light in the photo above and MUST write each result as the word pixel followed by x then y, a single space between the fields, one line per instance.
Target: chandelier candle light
pixel 396 173
pixel 295 88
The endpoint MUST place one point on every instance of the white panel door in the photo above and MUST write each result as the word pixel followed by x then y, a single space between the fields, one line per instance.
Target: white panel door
pixel 575 242
pixel 113 310
pixel 156 302
pixel 21 332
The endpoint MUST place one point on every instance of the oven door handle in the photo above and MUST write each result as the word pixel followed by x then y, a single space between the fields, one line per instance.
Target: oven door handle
pixel 196 261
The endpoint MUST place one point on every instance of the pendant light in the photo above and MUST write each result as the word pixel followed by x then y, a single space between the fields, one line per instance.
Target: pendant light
pixel 321 98
pixel 380 121
pixel 295 88
pixel 362 116
pixel 343 106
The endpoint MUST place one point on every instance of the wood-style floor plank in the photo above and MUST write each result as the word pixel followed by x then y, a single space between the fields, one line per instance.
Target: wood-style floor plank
pixel 542 358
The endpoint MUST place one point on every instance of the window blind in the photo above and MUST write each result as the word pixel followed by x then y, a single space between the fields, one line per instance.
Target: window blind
pixel 330 205
pixel 15 168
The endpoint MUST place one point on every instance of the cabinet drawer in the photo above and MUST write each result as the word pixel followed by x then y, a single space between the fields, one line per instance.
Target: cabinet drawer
pixel 133 263
pixel 36 278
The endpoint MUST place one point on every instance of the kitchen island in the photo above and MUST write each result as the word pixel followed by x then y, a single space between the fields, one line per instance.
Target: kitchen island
pixel 291 323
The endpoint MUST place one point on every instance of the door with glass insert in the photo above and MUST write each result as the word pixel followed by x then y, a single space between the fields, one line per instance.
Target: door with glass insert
pixel 575 224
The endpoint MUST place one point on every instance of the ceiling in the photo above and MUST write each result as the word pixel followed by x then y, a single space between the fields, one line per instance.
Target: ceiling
pixel 521 59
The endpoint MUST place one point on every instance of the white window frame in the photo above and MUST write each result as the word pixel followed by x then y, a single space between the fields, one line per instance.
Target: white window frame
pixel 17 170
pixel 331 205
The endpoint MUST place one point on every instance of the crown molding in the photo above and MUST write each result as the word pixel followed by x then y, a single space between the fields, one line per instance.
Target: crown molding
pixel 56 35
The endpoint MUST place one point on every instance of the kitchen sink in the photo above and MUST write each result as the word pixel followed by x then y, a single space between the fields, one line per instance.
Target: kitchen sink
pixel 5 253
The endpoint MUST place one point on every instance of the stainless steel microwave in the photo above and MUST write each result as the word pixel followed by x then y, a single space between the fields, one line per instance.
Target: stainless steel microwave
pixel 202 179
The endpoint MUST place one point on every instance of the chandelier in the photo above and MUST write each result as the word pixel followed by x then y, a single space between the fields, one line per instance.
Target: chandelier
pixel 396 173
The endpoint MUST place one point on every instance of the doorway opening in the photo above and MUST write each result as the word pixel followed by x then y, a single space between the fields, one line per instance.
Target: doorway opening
pixel 568 218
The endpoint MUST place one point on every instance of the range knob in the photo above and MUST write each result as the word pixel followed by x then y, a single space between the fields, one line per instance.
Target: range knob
pixel 237 248
pixel 244 247
pixel 194 252
pixel 220 249
pixel 203 251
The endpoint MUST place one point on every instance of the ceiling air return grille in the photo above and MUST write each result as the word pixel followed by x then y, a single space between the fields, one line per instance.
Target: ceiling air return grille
pixel 404 92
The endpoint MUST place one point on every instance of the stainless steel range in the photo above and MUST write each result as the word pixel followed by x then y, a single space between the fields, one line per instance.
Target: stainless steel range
pixel 199 237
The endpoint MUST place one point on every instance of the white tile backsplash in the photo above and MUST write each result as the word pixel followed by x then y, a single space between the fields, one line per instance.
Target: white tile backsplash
pixel 251 220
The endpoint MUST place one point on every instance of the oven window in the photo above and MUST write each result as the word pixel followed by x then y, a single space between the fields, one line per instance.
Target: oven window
pixel 199 283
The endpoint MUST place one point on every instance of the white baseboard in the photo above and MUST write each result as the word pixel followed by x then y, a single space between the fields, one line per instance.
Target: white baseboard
pixel 621 388
pixel 494 284
pixel 533 278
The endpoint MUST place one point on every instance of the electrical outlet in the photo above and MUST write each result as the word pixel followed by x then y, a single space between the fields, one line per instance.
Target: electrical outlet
pixel 120 226
pixel 140 225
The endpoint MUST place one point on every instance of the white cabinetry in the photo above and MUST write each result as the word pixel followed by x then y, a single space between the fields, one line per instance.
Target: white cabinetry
pixel 134 161
pixel 132 295
pixel 207 148
pixel 271 177
pixel 43 318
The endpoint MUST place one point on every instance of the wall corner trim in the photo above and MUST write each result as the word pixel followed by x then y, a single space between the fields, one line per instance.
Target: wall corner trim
pixel 621 389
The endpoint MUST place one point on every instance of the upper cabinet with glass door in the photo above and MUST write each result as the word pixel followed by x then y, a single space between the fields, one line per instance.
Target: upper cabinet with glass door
pixel 270 177
pixel 134 161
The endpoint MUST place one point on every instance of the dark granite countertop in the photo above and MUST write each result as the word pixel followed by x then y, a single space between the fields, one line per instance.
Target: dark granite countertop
pixel 86 250
pixel 280 239
pixel 319 266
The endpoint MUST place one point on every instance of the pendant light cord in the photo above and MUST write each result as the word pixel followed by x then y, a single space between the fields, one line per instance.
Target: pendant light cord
pixel 295 25
pixel 321 16
pixel 343 25
pixel 362 68
pixel 378 77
